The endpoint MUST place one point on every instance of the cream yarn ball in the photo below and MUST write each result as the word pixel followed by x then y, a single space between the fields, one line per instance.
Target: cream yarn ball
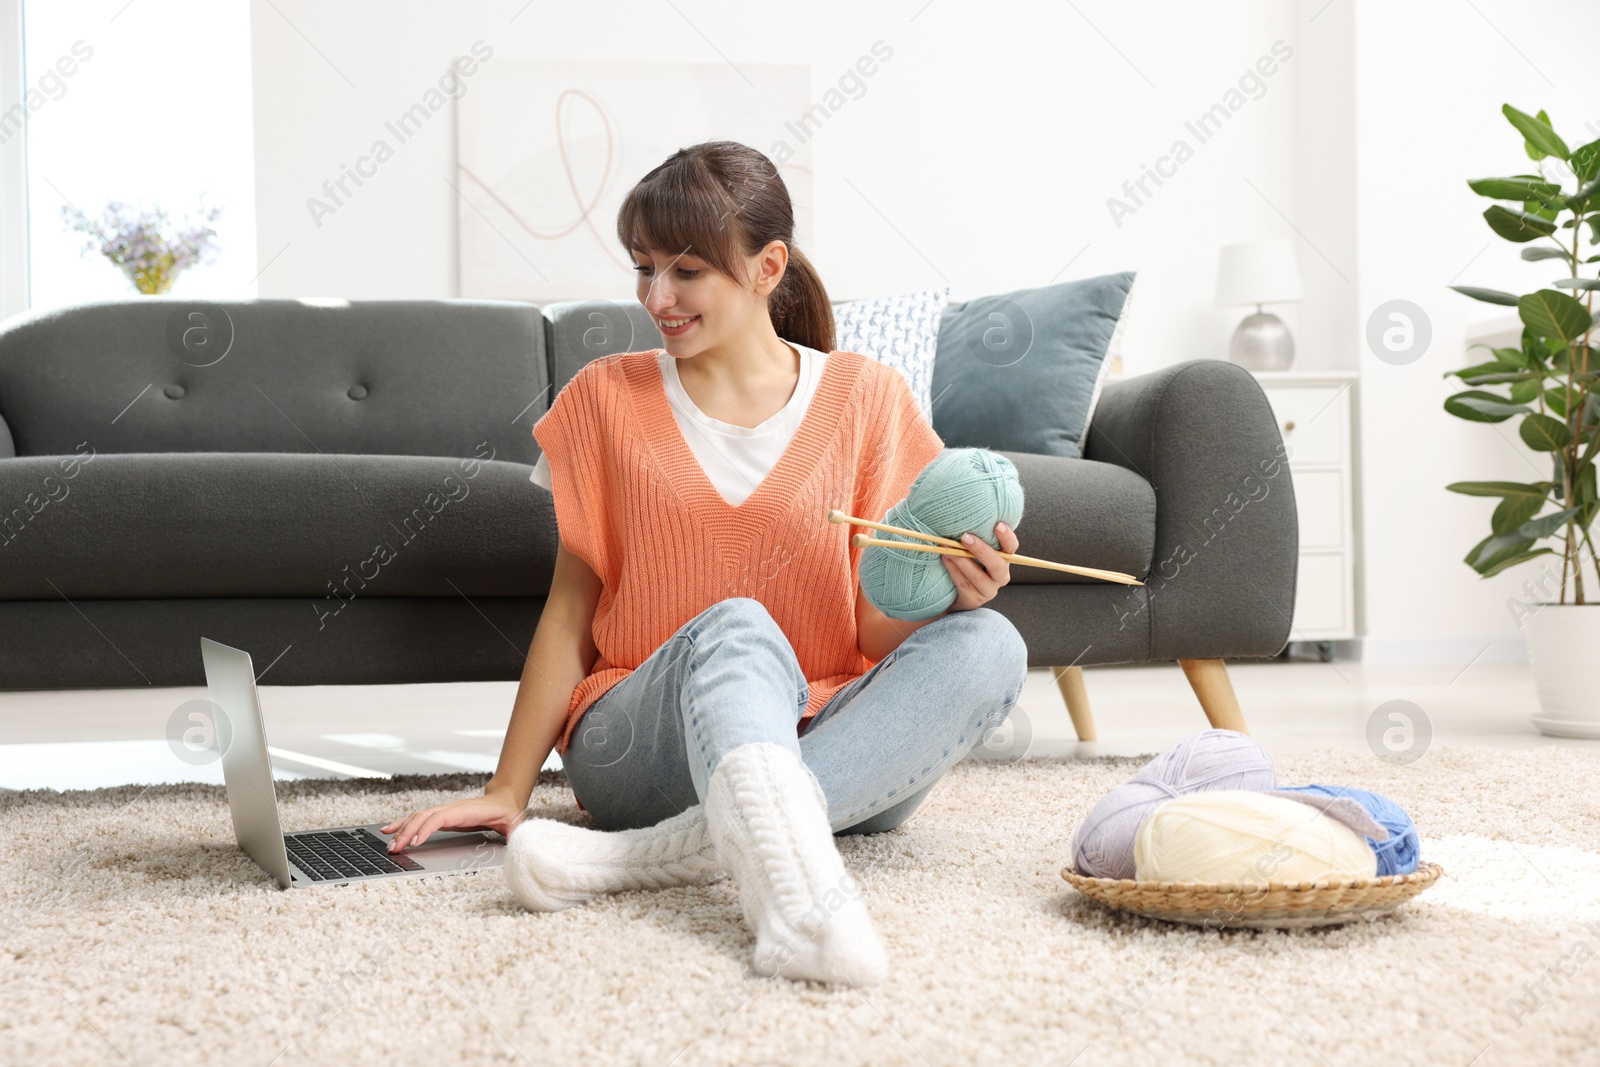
pixel 1239 836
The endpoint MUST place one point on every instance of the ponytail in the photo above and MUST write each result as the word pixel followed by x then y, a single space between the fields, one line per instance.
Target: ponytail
pixel 801 311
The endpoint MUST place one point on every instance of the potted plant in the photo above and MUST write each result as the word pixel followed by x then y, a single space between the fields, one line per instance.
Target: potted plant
pixel 1548 383
pixel 141 246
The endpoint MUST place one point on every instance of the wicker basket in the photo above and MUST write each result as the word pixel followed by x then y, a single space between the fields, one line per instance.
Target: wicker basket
pixel 1274 905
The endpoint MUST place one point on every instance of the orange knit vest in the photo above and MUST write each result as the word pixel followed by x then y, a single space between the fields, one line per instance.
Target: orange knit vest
pixel 632 502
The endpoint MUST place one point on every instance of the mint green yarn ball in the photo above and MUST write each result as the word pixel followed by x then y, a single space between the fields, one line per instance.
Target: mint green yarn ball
pixel 963 490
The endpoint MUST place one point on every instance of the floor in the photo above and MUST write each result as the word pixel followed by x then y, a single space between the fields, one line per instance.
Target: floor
pixel 85 739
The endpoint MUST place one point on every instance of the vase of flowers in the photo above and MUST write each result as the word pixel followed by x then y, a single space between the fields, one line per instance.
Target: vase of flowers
pixel 144 245
pixel 1551 385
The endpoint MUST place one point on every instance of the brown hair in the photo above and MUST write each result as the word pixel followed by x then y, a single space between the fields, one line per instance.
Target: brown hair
pixel 721 201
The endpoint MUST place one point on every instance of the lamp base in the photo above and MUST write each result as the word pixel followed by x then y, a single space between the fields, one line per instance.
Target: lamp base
pixel 1262 343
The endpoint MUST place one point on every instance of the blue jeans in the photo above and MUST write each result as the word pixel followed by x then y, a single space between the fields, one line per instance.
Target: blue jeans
pixel 645 750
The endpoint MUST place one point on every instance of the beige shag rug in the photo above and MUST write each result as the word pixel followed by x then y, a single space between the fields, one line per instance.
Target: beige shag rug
pixel 135 932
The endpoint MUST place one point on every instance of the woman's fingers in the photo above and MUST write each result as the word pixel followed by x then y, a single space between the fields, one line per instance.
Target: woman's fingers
pixel 408 828
pixel 1001 568
pixel 980 577
pixel 395 829
pixel 1007 536
pixel 435 819
pixel 988 567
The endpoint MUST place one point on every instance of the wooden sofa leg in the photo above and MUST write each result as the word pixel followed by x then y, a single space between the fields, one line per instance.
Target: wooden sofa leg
pixel 1070 681
pixel 1209 680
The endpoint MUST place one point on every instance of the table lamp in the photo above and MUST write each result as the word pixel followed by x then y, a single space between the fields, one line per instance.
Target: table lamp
pixel 1259 272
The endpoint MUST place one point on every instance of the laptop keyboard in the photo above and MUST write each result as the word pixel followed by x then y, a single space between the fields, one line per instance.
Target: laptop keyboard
pixel 335 855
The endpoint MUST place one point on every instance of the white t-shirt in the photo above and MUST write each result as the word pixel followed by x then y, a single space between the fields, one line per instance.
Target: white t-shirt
pixel 734 458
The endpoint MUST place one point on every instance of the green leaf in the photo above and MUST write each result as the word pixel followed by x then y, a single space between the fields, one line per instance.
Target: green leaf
pixel 1556 400
pixel 1512 512
pixel 1579 198
pixel 1511 561
pixel 1509 358
pixel 1586 161
pixel 1517 225
pixel 1541 351
pixel 1525 391
pixel 1551 314
pixel 1515 188
pixel 1588 505
pixel 1544 252
pixel 1494 548
pixel 1488 296
pixel 1548 212
pixel 1537 132
pixel 1577 283
pixel 1545 525
pixel 1479 368
pixel 1544 434
pixel 1537 490
pixel 1475 405
pixel 1534 348
pixel 1496 375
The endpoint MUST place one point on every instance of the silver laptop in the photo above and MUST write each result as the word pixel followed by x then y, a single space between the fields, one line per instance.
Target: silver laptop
pixel 336 856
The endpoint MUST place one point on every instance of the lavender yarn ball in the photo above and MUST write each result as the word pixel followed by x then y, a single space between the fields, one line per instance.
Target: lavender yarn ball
pixel 1103 845
pixel 1213 759
pixel 1210 759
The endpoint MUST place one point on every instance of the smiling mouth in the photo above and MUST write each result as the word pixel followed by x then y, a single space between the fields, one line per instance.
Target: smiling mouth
pixel 675 325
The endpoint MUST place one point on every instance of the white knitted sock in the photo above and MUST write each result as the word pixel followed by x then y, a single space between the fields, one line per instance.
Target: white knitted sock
pixel 553 865
pixel 769 819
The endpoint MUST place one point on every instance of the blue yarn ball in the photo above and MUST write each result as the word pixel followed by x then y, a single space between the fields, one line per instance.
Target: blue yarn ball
pixel 1398 855
pixel 962 490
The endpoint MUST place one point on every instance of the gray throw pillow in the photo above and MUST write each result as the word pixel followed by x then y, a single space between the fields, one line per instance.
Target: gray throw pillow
pixel 1020 372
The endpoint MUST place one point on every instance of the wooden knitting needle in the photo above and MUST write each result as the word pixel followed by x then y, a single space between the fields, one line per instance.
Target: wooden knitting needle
pixel 955 548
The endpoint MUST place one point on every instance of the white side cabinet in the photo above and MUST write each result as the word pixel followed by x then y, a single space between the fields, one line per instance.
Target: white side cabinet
pixel 1314 411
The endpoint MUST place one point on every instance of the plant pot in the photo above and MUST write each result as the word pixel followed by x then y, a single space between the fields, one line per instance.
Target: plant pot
pixel 1563 641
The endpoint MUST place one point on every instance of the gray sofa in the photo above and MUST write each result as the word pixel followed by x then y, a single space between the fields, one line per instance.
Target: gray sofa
pixel 341 488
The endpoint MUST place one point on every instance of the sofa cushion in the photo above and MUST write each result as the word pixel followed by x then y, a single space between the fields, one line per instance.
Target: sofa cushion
pixel 271 524
pixel 1085 513
pixel 383 377
pixel 118 525
pixel 1020 370
pixel 577 331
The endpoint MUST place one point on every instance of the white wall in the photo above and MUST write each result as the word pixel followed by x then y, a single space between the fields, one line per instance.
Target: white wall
pixel 1431 77
pixel 981 160
pixel 983 154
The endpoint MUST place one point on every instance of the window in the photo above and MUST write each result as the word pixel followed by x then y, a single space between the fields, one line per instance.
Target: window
pixel 145 103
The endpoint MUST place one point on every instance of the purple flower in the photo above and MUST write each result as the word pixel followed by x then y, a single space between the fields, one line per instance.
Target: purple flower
pixel 139 242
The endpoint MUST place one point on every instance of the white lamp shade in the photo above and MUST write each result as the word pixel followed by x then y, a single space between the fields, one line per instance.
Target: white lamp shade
pixel 1258 272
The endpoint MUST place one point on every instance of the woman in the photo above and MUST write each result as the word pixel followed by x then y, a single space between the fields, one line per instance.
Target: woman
pixel 722 695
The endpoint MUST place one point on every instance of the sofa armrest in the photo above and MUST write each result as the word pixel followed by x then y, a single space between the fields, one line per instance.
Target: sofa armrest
pixel 1222 582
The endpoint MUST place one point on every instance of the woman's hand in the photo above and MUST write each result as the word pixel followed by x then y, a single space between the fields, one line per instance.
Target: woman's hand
pixel 976 585
pixel 495 811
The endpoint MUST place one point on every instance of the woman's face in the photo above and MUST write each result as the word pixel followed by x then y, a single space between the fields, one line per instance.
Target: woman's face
pixel 698 307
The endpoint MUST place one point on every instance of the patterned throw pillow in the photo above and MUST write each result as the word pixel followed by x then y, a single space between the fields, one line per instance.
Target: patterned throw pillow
pixel 902 331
